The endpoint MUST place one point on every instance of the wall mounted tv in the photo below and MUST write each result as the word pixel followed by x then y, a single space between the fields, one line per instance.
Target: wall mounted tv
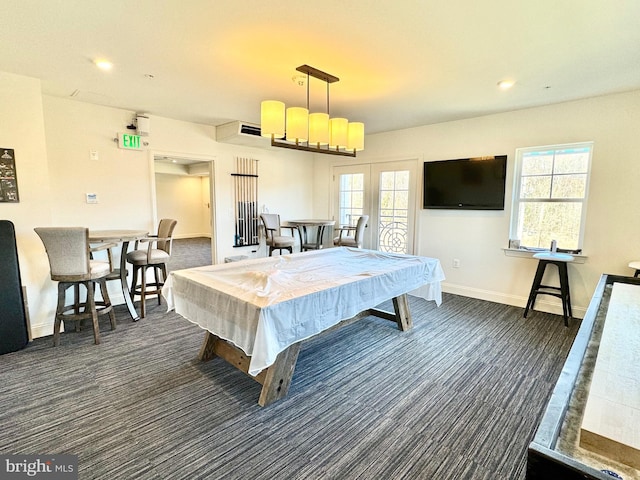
pixel 465 183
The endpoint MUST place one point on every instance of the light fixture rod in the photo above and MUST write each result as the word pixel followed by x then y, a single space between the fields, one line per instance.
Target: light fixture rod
pixel 307 91
pixel 319 74
pixel 327 98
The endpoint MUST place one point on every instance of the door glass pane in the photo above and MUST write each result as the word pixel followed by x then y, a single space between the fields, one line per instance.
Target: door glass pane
pixel 401 199
pixel 351 198
pixel 387 181
pixel 402 181
pixel 393 211
pixel 357 182
pixel 357 202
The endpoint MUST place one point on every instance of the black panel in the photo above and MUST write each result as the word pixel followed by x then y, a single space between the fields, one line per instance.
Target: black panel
pixel 544 464
pixel 13 321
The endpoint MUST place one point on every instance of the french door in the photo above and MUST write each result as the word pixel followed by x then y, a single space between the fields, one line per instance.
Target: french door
pixel 384 191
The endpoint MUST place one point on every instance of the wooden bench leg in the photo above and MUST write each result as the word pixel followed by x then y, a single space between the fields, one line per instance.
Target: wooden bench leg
pixel 279 375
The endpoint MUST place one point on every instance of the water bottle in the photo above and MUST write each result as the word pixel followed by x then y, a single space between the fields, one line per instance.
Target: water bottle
pixel 554 246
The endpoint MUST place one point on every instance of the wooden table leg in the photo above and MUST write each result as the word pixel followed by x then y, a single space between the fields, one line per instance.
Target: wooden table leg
pixel 207 350
pixel 403 313
pixel 276 379
pixel 279 375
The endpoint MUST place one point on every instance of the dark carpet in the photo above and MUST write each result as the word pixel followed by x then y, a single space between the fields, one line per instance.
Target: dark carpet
pixel 457 397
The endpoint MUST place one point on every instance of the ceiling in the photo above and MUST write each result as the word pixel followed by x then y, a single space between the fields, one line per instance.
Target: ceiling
pixel 401 64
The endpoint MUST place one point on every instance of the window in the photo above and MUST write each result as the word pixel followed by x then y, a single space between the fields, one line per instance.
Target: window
pixel 550 195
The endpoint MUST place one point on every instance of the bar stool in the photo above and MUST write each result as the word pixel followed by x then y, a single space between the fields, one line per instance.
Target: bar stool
pixel 560 260
pixel 636 266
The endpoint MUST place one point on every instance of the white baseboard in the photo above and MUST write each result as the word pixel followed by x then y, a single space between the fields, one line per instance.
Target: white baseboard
pixel 543 302
pixel 41 330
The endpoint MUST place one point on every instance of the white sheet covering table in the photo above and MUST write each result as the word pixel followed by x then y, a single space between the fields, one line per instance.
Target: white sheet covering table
pixel 266 305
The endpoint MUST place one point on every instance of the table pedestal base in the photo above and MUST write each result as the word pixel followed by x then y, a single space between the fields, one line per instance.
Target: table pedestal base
pixel 275 380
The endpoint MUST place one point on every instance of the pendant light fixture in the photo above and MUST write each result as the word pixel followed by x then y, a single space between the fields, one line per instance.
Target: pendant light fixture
pixel 296 128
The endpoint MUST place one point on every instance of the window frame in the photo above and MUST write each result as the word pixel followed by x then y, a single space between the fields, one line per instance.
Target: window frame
pixel 517 183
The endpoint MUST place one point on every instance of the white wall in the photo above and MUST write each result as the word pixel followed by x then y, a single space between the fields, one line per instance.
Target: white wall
pixel 119 177
pixel 53 137
pixel 22 128
pixel 185 198
pixel 477 238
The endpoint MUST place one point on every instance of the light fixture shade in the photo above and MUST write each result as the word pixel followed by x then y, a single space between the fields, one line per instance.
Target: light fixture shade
pixel 338 128
pixel 297 124
pixel 319 129
pixel 272 118
pixel 355 141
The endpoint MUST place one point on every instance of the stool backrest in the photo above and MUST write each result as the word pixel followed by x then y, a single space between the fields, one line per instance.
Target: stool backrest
pixel 165 230
pixel 68 252
pixel 362 223
pixel 271 223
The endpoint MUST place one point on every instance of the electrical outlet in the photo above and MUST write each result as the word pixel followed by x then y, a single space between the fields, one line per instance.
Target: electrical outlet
pixel 456 263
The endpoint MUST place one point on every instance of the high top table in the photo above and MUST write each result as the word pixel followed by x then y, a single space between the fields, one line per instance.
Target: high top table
pixel 257 312
pixel 302 225
pixel 123 237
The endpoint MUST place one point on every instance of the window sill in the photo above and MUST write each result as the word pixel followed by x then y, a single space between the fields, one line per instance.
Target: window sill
pixel 521 252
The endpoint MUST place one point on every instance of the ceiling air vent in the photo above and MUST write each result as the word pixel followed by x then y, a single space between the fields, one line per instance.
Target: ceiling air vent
pixel 241 133
pixel 250 129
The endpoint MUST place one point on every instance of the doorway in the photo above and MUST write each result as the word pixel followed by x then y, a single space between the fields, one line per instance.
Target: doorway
pixel 384 191
pixel 183 189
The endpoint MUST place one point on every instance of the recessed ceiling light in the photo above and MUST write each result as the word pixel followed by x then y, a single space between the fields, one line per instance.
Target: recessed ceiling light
pixel 506 84
pixel 103 64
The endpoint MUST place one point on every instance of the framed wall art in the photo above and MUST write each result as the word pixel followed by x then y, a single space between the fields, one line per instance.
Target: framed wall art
pixel 8 178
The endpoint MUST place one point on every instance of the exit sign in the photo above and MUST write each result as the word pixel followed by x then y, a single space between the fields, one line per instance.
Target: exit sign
pixel 129 142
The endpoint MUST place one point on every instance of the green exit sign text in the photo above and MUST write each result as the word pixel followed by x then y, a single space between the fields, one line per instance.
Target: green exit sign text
pixel 129 142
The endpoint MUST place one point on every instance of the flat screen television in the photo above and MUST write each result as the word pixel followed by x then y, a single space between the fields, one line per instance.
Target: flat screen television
pixel 465 183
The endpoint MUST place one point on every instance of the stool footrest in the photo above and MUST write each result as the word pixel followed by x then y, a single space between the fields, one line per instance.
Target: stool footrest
pixel 553 294
pixel 540 287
